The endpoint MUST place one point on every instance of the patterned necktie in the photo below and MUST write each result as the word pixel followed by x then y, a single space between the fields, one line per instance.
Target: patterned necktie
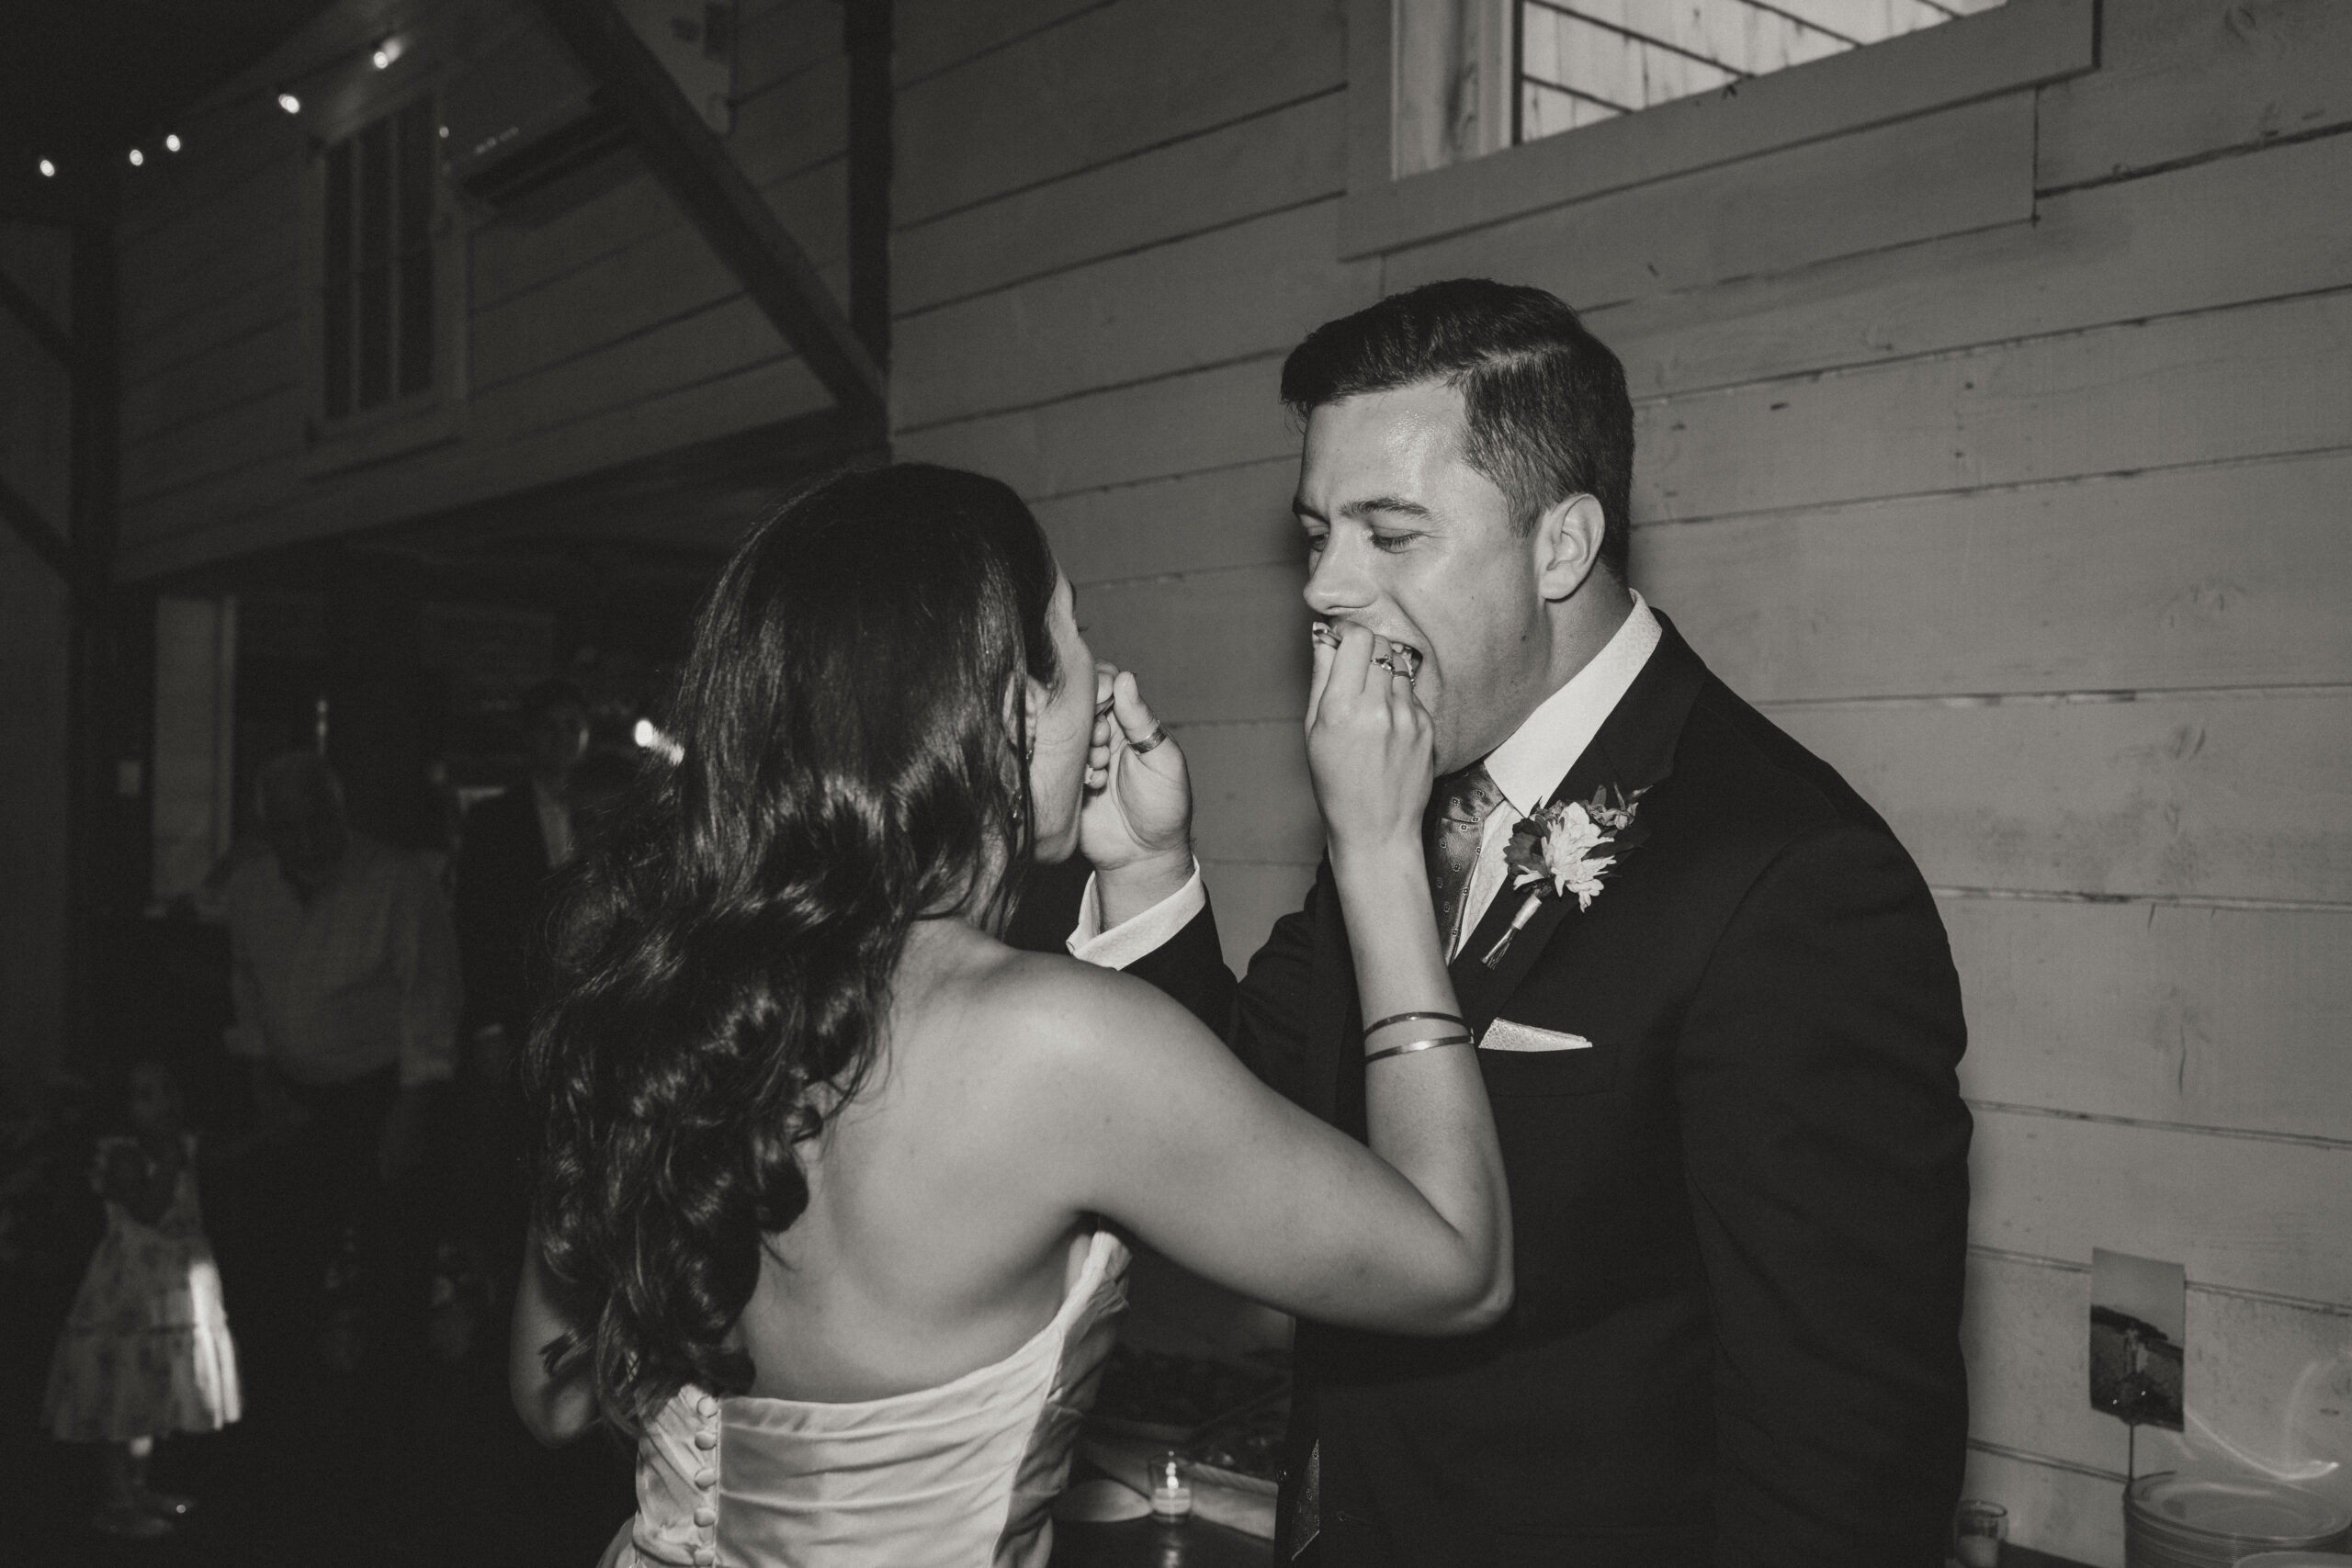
pixel 1453 830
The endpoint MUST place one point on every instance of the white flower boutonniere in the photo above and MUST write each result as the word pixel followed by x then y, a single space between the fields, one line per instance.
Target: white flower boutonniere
pixel 1567 848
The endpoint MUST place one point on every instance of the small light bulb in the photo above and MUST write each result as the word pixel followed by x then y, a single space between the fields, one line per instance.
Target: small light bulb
pixel 136 157
pixel 172 142
pixel 382 58
pixel 48 170
pixel 289 103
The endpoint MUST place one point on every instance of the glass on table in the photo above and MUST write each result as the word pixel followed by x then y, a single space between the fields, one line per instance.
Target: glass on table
pixel 1977 1530
pixel 1172 1486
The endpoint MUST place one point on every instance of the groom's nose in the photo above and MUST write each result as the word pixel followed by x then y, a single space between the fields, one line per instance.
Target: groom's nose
pixel 1338 583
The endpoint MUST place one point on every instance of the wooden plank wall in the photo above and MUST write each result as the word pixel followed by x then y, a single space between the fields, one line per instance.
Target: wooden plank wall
pixel 35 405
pixel 1999 454
pixel 600 328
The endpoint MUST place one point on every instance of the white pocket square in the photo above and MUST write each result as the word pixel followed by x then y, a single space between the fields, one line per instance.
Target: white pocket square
pixel 1504 1034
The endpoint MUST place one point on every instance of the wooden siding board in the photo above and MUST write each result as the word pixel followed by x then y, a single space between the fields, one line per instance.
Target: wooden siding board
pixel 267 359
pixel 782 41
pixel 2231 1018
pixel 2184 78
pixel 803 123
pixel 2069 1515
pixel 1251 798
pixel 1158 429
pixel 189 272
pixel 665 277
pixel 1107 82
pixel 1940 174
pixel 2253 1386
pixel 2199 797
pixel 2234 575
pixel 266 424
pixel 263 302
pixel 1291 155
pixel 1215 646
pixel 935 35
pixel 1248 898
pixel 2170 392
pixel 478 470
pixel 2240 1213
pixel 1172 308
pixel 716 341
pixel 2229 232
pixel 1221 517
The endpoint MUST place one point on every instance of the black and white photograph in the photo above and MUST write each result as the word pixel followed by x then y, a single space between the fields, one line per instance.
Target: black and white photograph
pixel 2139 1339
pixel 1175 784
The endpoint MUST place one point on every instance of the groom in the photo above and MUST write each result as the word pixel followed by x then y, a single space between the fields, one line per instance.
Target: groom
pixel 1722 1064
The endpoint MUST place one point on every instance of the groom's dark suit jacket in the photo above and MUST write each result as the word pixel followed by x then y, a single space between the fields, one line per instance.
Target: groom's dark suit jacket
pixel 1739 1215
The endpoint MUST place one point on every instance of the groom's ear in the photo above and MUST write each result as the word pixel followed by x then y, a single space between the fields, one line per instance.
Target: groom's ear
pixel 1567 542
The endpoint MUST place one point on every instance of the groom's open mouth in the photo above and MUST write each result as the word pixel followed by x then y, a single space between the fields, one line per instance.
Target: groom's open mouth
pixel 1402 657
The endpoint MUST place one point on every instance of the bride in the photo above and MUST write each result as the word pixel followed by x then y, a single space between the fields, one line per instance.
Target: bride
pixel 831 1182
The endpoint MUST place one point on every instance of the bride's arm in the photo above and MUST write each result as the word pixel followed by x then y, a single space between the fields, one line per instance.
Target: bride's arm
pixel 554 1409
pixel 1174 1139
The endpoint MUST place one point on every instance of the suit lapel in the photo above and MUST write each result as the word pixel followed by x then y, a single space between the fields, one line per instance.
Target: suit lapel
pixel 1633 750
pixel 1331 1007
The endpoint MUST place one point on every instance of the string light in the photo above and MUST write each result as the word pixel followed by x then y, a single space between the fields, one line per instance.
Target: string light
pixel 136 157
pixel 48 170
pixel 289 103
pixel 386 52
pixel 172 142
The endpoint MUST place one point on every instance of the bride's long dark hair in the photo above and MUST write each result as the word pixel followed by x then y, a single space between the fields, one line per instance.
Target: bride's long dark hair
pixel 725 951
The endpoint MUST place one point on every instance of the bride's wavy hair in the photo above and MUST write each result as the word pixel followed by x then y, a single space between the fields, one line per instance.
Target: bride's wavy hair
pixel 724 953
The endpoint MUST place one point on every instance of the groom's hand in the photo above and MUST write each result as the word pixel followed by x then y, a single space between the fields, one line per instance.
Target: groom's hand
pixel 1137 825
pixel 1371 749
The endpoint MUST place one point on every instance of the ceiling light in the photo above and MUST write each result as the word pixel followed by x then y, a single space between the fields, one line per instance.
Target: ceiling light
pixel 289 103
pixel 172 142
pixel 136 157
pixel 48 170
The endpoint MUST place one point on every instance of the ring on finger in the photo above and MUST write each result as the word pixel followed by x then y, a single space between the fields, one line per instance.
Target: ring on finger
pixel 1159 733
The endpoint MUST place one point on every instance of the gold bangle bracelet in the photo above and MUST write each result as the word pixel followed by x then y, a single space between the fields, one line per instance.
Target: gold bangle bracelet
pixel 1429 1044
pixel 1401 1017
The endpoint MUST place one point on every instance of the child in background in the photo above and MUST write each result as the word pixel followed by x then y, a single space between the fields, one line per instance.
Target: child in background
pixel 145 1351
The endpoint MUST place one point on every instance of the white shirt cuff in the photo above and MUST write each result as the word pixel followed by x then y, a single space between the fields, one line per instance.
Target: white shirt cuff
pixel 1146 933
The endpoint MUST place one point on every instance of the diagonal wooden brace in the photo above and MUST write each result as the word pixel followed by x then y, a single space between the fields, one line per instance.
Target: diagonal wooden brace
pixel 703 178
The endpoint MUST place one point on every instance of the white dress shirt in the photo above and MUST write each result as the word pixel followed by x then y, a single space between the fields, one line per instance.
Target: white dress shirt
pixel 1527 768
pixel 361 977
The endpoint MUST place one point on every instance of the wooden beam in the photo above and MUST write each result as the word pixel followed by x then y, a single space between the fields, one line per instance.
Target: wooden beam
pixel 27 310
pixel 34 530
pixel 866 35
pixel 695 168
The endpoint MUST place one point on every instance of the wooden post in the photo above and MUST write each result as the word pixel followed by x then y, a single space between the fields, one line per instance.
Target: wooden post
pixel 104 836
pixel 868 35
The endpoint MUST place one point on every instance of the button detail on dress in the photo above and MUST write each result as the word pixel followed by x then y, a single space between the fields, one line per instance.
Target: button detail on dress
pixel 706 1479
pixel 706 1517
pixel 705 1439
pixel 705 1556
pixel 709 1406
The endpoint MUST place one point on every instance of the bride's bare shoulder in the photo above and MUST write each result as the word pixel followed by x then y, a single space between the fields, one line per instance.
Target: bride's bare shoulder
pixel 1056 1013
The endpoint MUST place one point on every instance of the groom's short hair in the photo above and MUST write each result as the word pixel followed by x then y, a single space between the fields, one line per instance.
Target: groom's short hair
pixel 1548 414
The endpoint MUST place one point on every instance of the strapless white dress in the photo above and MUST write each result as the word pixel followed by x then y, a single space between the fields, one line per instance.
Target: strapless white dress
pixel 963 1475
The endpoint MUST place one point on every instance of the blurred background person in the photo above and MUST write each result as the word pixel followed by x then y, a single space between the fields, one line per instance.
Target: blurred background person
pixel 512 843
pixel 345 972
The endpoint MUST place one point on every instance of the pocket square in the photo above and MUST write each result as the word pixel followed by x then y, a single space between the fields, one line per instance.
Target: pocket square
pixel 1505 1035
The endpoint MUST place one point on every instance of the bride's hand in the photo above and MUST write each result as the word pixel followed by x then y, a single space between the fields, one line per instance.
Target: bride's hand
pixel 1370 748
pixel 1138 812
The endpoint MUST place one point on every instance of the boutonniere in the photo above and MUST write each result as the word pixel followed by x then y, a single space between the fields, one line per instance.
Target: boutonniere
pixel 1567 848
